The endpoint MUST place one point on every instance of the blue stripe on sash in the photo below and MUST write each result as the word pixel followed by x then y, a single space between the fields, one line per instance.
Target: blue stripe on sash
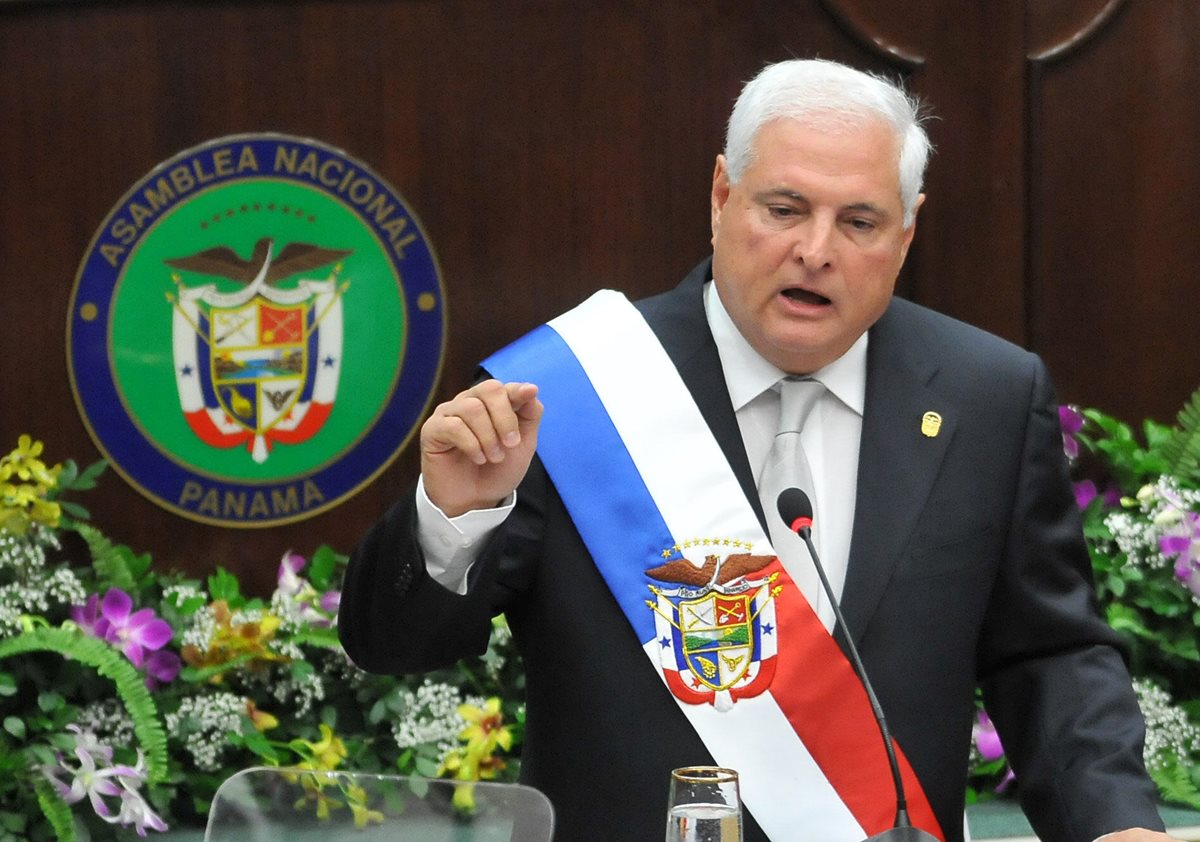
pixel 591 468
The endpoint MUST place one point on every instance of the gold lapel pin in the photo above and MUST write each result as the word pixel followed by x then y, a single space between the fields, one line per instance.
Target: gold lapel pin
pixel 931 424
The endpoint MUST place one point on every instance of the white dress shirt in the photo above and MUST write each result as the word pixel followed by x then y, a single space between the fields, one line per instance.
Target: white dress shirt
pixel 830 436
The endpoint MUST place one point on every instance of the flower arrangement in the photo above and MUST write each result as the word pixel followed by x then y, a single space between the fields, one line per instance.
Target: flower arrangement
pixel 1139 493
pixel 127 694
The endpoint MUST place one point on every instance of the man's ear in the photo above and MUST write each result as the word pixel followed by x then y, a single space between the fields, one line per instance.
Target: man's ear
pixel 912 228
pixel 720 193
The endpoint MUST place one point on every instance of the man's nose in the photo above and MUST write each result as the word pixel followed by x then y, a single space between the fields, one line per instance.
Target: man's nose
pixel 814 243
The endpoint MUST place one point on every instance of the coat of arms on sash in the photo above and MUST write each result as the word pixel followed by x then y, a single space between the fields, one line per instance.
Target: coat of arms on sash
pixel 716 627
pixel 256 330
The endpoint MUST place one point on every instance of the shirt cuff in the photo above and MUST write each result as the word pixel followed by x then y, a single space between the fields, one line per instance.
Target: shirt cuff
pixel 451 544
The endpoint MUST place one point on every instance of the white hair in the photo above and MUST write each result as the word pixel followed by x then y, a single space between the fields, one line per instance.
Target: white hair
pixel 827 94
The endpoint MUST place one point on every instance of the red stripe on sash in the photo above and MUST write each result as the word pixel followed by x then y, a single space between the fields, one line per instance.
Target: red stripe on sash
pixel 813 679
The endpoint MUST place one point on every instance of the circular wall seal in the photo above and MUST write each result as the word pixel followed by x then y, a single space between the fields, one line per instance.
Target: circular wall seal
pixel 255 330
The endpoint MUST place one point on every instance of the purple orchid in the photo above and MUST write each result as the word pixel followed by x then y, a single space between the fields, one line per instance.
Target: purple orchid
pixel 288 580
pixel 1071 420
pixel 331 601
pixel 134 633
pixel 1086 492
pixel 988 743
pixel 89 618
pixel 162 667
pixel 1182 543
pixel 299 591
pixel 986 738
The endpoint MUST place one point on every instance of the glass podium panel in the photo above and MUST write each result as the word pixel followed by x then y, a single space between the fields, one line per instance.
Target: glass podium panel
pixel 266 804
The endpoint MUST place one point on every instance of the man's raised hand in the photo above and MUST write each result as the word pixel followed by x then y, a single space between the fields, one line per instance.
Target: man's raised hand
pixel 477 446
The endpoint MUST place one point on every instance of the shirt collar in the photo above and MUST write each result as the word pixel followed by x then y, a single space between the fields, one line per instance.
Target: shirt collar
pixel 748 375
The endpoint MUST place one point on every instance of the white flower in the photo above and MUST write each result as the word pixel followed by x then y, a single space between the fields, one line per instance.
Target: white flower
pixel 1169 732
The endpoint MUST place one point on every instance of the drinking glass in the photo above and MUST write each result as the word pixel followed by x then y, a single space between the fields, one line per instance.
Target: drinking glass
pixel 704 805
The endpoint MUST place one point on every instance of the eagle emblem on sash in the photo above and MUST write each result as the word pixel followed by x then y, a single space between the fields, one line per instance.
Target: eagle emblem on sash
pixel 716 630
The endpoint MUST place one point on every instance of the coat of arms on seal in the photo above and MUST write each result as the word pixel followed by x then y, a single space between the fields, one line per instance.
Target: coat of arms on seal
pixel 260 365
pixel 256 330
pixel 716 626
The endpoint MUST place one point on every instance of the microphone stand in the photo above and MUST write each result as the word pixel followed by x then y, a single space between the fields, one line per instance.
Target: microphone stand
pixel 903 831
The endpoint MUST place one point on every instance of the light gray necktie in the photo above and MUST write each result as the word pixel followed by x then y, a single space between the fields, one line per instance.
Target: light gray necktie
pixel 787 467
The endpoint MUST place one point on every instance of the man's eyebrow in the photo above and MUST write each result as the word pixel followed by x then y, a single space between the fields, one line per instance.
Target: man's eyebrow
pixel 857 207
pixel 780 193
pixel 868 207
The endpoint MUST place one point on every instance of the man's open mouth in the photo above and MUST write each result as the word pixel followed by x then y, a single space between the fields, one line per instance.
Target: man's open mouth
pixel 806 297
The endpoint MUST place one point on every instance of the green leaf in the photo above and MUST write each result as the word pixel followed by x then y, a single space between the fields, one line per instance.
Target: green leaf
pixel 1116 585
pixel 256 742
pixel 138 563
pixel 8 684
pixel 75 510
pixel 224 585
pixel 426 767
pixel 67 476
pixel 322 566
pixel 15 726
pixel 87 479
pixel 50 702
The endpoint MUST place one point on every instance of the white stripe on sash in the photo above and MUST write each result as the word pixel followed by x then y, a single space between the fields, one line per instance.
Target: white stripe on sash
pixel 698 495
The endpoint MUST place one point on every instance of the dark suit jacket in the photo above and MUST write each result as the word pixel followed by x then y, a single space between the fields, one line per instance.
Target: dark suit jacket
pixel 967 567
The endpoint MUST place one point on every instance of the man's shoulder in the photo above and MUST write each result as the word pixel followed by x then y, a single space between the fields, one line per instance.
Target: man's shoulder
pixel 927 331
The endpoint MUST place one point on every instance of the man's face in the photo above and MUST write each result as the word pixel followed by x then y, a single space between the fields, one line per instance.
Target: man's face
pixel 808 244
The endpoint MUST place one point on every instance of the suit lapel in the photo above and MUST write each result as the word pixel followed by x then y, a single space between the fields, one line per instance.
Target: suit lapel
pixel 897 461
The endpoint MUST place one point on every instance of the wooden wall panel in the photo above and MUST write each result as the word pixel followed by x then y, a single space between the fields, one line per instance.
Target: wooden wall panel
pixel 549 148
pixel 1115 200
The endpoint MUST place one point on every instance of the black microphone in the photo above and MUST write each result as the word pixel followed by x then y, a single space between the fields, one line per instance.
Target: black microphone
pixel 797 512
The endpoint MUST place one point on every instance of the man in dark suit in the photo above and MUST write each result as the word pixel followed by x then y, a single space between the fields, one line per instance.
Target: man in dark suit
pixel 954 544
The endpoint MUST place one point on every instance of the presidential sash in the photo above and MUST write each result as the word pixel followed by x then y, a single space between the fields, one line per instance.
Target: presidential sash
pixel 670 529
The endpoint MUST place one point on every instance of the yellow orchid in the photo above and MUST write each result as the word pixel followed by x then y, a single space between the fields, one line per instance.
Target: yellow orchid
pixel 262 720
pixel 477 760
pixel 485 729
pixel 24 503
pixel 23 462
pixel 233 641
pixel 356 798
pixel 326 754
pixel 315 791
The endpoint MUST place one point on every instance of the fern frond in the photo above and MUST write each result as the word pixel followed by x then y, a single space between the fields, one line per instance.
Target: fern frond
pixel 71 643
pixel 56 810
pixel 1174 783
pixel 1182 450
pixel 110 564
